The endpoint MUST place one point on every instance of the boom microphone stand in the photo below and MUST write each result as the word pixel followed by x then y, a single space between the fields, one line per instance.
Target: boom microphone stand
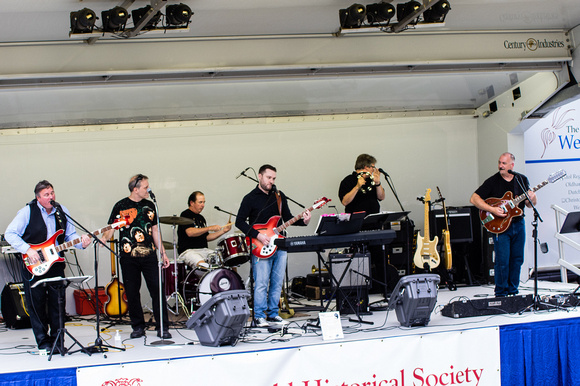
pixel 99 346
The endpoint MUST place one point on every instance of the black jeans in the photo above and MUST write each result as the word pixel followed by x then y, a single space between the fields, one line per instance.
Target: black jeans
pixel 42 304
pixel 133 268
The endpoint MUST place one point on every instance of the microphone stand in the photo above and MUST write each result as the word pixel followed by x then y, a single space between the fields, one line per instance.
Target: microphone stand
pixel 224 211
pixel 388 179
pixel 287 198
pixel 99 346
pixel 161 342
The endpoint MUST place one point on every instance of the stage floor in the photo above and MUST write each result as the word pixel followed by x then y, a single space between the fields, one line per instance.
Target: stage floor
pixel 19 352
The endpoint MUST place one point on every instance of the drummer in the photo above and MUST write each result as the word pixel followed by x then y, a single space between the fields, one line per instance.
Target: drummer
pixel 192 239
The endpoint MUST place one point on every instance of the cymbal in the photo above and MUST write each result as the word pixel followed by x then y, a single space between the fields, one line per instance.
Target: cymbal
pixel 175 220
pixel 167 245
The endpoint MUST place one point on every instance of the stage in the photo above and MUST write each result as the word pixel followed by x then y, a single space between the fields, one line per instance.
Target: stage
pixel 536 347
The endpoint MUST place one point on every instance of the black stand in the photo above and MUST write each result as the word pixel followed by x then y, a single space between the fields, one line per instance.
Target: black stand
pixel 59 284
pixel 99 346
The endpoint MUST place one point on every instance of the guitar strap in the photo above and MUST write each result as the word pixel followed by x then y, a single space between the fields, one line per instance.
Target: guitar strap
pixel 279 201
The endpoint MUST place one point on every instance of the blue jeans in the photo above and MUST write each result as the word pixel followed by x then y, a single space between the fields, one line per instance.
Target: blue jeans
pixel 509 257
pixel 268 279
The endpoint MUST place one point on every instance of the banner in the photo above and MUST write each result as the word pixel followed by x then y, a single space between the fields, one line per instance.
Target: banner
pixel 551 144
pixel 469 357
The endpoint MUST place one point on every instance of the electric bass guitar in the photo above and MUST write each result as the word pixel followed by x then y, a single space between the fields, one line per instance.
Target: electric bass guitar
pixel 510 207
pixel 49 252
pixel 269 229
pixel 426 255
pixel 445 235
pixel 116 304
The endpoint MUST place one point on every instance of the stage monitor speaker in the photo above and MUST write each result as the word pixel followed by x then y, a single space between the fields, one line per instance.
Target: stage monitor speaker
pixel 353 300
pixel 218 321
pixel 460 228
pixel 358 270
pixel 14 308
pixel 414 298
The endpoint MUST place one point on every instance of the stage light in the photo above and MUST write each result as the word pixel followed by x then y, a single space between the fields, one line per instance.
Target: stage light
pixel 404 10
pixel 380 13
pixel 178 14
pixel 437 13
pixel 414 298
pixel 114 19
pixel 353 16
pixel 82 21
pixel 140 13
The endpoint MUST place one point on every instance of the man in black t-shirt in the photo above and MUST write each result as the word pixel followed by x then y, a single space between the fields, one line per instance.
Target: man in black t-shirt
pixel 138 250
pixel 192 243
pixel 508 245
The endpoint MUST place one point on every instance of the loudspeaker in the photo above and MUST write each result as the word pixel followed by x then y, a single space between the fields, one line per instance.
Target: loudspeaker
pixel 414 298
pixel 14 306
pixel 218 321
pixel 353 300
pixel 353 277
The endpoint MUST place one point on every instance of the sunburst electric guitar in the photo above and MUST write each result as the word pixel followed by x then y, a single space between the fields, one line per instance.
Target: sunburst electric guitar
pixel 263 251
pixel 426 255
pixel 510 206
pixel 49 252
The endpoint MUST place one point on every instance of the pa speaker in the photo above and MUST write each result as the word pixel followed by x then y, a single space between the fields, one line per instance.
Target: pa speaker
pixel 14 306
pixel 218 321
pixel 414 298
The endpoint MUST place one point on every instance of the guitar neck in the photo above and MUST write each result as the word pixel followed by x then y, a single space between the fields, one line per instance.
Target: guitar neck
pixel 522 196
pixel 71 243
pixel 426 236
pixel 281 228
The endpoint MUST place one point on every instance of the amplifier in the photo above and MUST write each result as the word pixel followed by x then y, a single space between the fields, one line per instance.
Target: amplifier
pixel 353 277
pixel 14 307
pixel 491 306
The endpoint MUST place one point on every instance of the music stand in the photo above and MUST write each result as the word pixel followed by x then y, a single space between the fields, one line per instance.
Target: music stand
pixel 378 220
pixel 59 285
pixel 571 225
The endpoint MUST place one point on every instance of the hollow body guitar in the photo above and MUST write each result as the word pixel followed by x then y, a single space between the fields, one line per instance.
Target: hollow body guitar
pixel 426 255
pixel 116 304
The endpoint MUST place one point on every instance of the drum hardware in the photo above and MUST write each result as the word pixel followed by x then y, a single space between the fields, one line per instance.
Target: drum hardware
pixel 167 245
pixel 175 220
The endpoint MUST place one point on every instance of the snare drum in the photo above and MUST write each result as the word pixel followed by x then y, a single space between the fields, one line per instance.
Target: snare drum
pixel 216 281
pixel 234 251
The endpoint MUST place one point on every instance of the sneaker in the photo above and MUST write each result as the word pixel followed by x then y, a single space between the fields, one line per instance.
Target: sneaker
pixel 261 322
pixel 277 319
pixel 137 333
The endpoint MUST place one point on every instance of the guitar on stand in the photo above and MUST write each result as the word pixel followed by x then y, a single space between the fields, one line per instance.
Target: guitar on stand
pixel 116 304
pixel 446 247
pixel 426 255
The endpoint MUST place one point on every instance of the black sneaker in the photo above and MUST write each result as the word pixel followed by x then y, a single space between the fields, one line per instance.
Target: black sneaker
pixel 166 334
pixel 138 333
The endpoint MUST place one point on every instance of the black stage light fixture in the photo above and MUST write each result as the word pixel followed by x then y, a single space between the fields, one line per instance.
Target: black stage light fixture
pixel 140 13
pixel 405 9
pixel 178 14
pixel 414 298
pixel 437 13
pixel 82 21
pixel 114 19
pixel 380 13
pixel 353 16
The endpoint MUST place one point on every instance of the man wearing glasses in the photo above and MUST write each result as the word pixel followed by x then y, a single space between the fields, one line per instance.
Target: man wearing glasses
pixel 138 253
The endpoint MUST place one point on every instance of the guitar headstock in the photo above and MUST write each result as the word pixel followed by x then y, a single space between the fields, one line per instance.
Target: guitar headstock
pixel 440 195
pixel 321 202
pixel 120 223
pixel 556 176
pixel 428 194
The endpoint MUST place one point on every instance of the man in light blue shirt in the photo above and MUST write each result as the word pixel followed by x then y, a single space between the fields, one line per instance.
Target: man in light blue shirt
pixel 34 226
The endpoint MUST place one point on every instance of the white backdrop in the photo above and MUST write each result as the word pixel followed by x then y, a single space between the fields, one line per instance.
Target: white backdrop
pixel 552 144
pixel 90 166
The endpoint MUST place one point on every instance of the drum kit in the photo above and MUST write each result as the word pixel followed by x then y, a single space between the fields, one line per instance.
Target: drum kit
pixel 193 278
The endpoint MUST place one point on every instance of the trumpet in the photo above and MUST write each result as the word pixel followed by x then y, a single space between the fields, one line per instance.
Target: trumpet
pixel 370 182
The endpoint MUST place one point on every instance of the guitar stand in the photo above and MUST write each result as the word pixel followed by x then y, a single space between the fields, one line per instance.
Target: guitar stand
pixel 59 284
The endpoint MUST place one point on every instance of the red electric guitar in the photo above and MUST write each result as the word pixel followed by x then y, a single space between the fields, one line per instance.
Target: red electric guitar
pixel 49 253
pixel 269 229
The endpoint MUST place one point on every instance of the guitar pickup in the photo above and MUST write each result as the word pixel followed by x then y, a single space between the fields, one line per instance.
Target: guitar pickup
pixel 488 218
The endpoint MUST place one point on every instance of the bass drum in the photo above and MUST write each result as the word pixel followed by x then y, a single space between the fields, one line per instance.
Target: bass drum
pixel 216 281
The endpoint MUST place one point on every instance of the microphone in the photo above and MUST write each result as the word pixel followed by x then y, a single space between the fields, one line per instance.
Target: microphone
pixel 217 208
pixel 274 189
pixel 54 203
pixel 513 173
pixel 384 172
pixel 242 172
pixel 151 193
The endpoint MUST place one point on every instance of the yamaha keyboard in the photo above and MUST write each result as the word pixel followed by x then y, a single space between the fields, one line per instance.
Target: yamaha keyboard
pixel 318 243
